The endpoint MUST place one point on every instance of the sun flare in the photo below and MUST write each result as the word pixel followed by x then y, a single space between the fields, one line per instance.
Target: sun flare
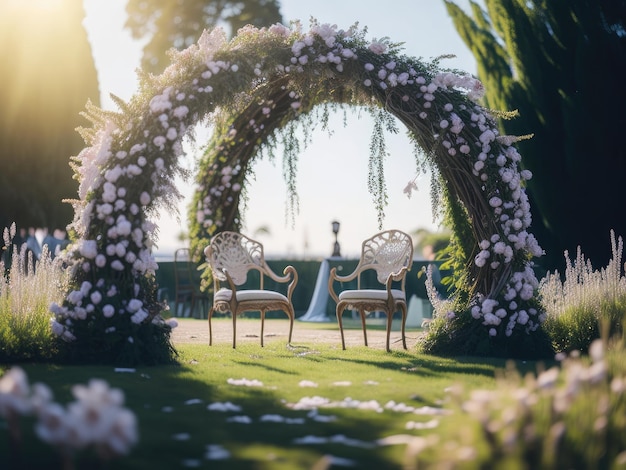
pixel 38 5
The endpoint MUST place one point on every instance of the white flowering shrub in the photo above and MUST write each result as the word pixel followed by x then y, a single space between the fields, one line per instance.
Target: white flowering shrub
pixel 254 89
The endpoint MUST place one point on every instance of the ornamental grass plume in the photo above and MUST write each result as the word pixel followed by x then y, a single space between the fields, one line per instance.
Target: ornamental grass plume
pixel 586 301
pixel 27 288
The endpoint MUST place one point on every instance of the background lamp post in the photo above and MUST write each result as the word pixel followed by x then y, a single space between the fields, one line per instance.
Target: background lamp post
pixel 336 248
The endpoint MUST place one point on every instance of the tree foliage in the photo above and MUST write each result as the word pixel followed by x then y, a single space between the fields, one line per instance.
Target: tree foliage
pixel 47 76
pixel 561 65
pixel 178 24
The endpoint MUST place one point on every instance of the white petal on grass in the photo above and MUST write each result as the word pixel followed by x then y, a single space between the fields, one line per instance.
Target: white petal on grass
pixel 191 463
pixel 127 370
pixel 193 401
pixel 181 436
pixel 225 406
pixel 315 416
pixel 348 441
pixel 370 382
pixel 430 410
pixel 432 424
pixel 281 419
pixel 339 461
pixel 242 419
pixel 307 383
pixel 336 439
pixel 167 409
pixel 245 382
pixel 361 405
pixel 342 383
pixel 294 421
pixel 308 403
pixel 216 452
pixel 310 440
pixel 273 418
pixel 399 407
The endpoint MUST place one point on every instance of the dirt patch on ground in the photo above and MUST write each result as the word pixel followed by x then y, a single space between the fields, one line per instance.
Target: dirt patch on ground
pixel 249 330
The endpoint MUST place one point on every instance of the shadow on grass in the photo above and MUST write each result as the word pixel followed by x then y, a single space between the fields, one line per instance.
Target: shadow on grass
pixel 176 427
pixel 422 364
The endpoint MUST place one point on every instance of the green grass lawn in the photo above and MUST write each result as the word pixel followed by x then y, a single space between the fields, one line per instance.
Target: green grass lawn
pixel 264 428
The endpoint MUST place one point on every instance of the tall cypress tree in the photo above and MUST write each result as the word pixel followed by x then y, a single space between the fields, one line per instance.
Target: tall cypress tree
pixel 561 64
pixel 47 74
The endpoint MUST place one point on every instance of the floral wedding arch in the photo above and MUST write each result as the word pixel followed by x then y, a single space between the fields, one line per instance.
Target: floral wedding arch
pixel 252 89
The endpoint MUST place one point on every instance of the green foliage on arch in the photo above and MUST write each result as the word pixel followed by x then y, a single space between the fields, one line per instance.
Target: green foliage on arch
pixel 256 89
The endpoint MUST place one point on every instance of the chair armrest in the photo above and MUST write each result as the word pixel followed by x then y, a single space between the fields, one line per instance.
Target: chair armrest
pixel 348 277
pixel 290 274
pixel 275 277
pixel 397 276
pixel 333 276
pixel 290 271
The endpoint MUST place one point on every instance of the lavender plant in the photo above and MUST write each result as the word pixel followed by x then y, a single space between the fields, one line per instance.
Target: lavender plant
pixel 586 301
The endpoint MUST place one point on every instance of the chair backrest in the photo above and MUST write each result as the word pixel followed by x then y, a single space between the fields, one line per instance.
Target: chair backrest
pixel 386 252
pixel 237 254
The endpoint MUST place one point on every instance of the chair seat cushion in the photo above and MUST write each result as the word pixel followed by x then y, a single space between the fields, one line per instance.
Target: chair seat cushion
pixel 224 295
pixel 371 294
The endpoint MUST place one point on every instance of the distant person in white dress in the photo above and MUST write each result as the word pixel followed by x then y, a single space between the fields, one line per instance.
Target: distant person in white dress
pixel 34 242
pixel 56 242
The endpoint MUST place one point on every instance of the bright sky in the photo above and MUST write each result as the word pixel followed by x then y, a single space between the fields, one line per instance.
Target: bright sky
pixel 332 175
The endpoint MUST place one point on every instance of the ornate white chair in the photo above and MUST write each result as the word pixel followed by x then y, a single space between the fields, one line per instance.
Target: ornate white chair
pixel 390 255
pixel 231 256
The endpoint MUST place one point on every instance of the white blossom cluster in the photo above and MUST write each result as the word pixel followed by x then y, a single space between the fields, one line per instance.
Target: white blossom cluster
pixel 511 310
pixel 97 418
pixel 207 206
pixel 509 203
pixel 109 201
pixel 108 181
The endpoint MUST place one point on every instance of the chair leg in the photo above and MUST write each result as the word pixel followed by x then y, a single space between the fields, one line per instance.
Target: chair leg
pixel 291 315
pixel 362 314
pixel 340 310
pixel 403 310
pixel 262 325
pixel 389 323
pixel 210 329
pixel 234 329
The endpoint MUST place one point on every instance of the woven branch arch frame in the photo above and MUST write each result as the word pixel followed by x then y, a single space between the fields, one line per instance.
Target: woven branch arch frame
pixel 250 88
